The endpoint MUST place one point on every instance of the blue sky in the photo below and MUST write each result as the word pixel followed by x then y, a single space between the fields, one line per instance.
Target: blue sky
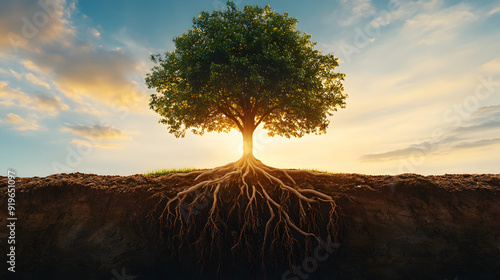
pixel 423 79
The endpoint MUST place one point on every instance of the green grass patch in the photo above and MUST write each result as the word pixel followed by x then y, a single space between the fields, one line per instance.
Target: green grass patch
pixel 322 171
pixel 165 171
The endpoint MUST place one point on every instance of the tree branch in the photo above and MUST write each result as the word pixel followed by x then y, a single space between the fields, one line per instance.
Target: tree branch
pixel 235 112
pixel 255 108
pixel 265 115
pixel 231 117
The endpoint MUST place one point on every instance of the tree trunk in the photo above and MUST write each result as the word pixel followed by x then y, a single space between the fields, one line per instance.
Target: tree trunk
pixel 247 142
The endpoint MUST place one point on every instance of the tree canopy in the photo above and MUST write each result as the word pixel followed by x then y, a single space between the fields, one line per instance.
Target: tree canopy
pixel 237 69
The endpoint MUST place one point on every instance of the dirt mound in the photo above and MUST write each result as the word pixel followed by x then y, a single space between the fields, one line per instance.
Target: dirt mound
pixel 83 226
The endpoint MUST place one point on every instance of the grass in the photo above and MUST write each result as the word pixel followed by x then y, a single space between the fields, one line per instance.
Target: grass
pixel 322 171
pixel 165 171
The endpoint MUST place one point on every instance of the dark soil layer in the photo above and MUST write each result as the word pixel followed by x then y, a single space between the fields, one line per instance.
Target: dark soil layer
pixel 81 226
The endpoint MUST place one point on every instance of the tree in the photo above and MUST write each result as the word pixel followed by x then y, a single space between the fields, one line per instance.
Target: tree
pixel 237 70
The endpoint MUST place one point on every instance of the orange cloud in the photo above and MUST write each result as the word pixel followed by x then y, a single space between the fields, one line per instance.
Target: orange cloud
pixel 81 70
pixel 37 81
pixel 50 103
pixel 14 97
pixel 96 131
pixel 20 123
pixel 98 75
pixel 26 23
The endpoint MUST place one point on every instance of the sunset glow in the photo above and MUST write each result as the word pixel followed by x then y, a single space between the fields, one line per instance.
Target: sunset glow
pixel 423 79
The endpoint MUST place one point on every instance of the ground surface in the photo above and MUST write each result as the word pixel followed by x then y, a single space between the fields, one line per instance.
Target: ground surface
pixel 81 226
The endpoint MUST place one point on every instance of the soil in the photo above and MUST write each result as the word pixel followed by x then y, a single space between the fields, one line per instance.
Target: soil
pixel 84 226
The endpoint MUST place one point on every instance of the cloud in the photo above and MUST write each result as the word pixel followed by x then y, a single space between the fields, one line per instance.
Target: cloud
pixel 50 103
pixel 479 143
pixel 88 110
pixel 31 78
pixel 31 66
pixel 11 96
pixel 14 97
pixel 353 11
pixel 492 66
pixel 81 70
pixel 485 125
pixel 97 135
pixel 81 142
pixel 487 112
pixel 494 11
pixel 481 123
pixel 94 32
pixel 20 123
pixel 407 9
pixel 433 28
pixel 424 148
pixel 417 22
pixel 95 131
pixel 37 81
pixel 25 23
pixel 393 155
pixel 16 75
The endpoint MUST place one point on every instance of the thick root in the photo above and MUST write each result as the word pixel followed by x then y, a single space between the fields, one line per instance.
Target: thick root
pixel 256 207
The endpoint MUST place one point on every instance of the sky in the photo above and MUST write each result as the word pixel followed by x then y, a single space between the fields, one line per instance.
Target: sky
pixel 423 79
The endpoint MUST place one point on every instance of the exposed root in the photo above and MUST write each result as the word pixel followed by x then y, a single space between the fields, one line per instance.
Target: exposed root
pixel 243 205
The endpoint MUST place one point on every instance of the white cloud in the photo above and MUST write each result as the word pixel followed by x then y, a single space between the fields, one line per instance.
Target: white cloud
pixel 11 96
pixel 477 131
pixel 494 11
pixel 96 131
pixel 439 26
pixel 94 32
pixel 88 110
pixel 31 78
pixel 478 143
pixel 50 103
pixel 16 75
pixel 492 66
pixel 37 81
pixel 427 61
pixel 15 97
pixel 20 123
pixel 28 23
pixel 353 11
pixel 31 66
pixel 100 75
pixel 407 9
pixel 99 136
pixel 81 70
